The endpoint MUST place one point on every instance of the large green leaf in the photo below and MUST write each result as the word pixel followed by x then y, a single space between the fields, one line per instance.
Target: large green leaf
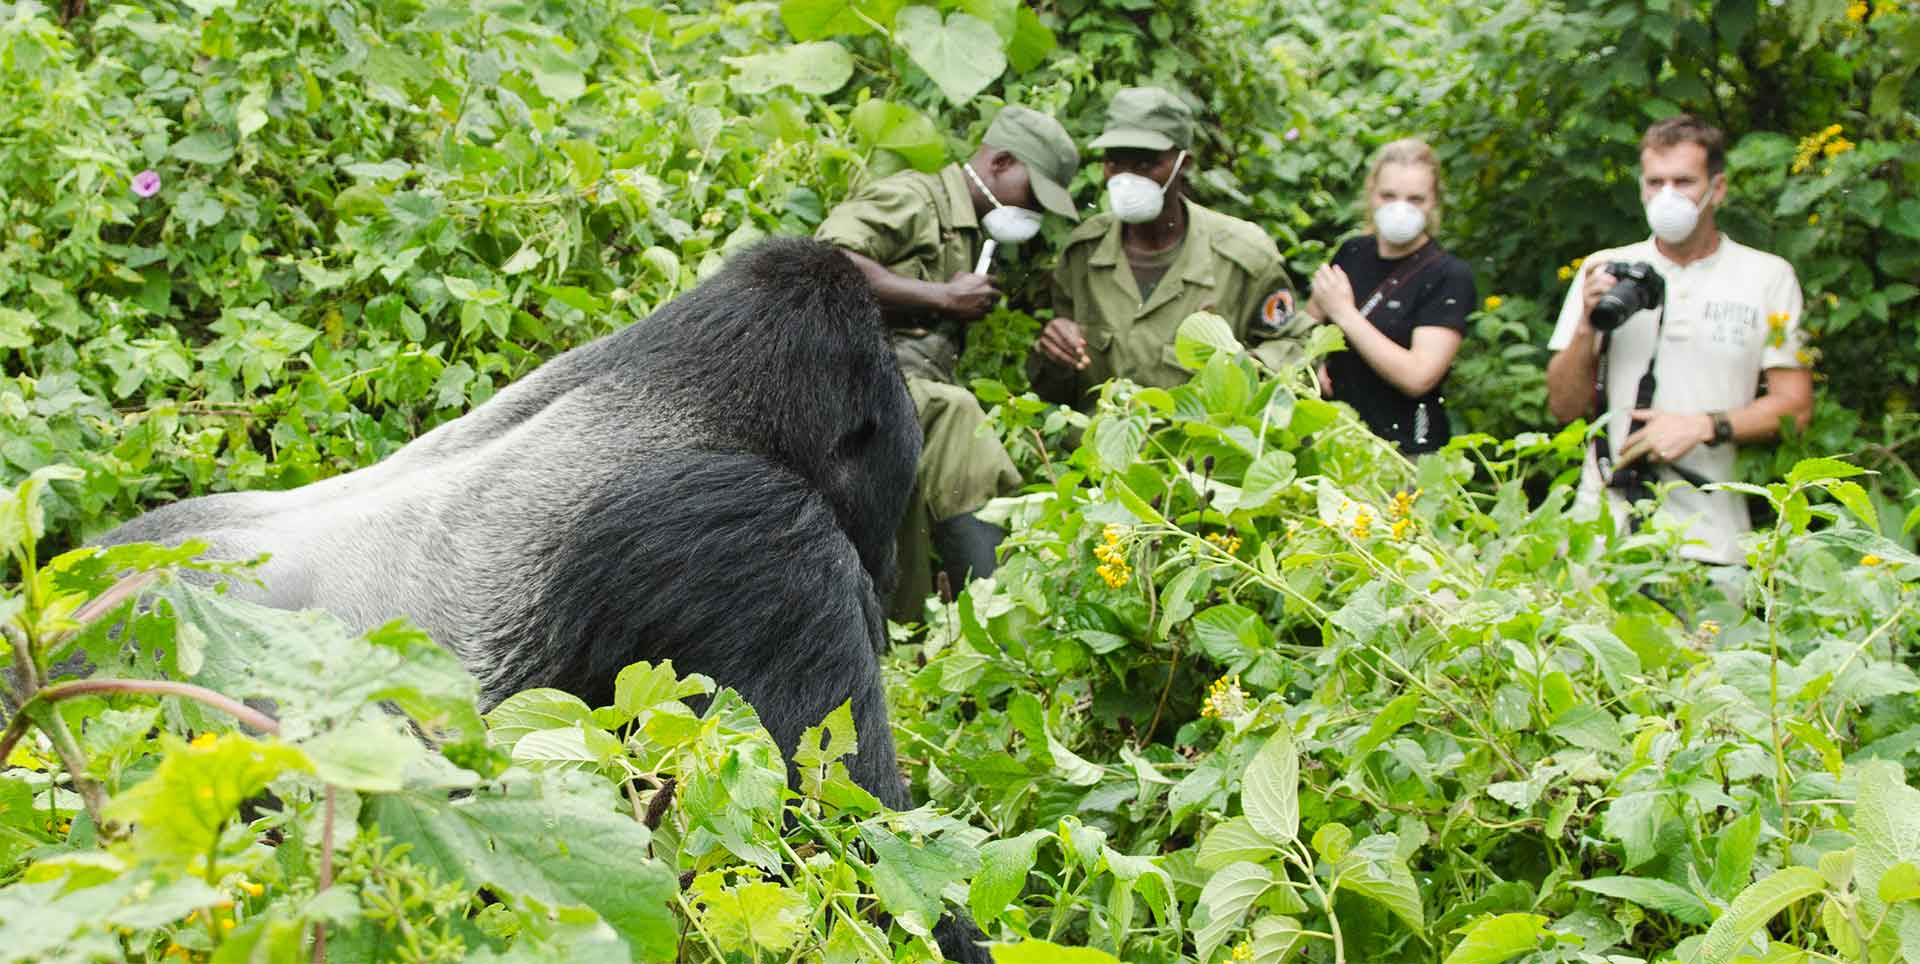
pixel 1886 824
pixel 962 55
pixel 1004 865
pixel 1491 940
pixel 818 67
pixel 1035 951
pixel 561 848
pixel 1270 793
pixel 815 19
pixel 908 875
pixel 1201 336
pixel 886 125
pixel 177 812
pixel 1373 868
pixel 1753 909
pixel 1649 892
pixel 1224 903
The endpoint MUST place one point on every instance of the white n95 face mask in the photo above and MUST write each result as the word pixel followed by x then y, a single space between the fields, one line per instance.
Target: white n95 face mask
pixel 1011 225
pixel 1399 221
pixel 1005 224
pixel 1136 199
pixel 1672 215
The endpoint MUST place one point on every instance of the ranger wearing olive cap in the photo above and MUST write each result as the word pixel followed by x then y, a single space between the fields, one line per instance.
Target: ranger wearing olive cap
pixel 919 238
pixel 1128 277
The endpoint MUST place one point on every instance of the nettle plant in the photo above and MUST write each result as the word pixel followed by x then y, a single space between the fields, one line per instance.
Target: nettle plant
pixel 1360 709
pixel 1248 687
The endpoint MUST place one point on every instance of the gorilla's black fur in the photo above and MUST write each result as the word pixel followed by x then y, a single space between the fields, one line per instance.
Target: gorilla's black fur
pixel 718 485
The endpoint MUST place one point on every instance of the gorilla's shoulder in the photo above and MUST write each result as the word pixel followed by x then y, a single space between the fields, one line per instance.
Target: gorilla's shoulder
pixel 790 263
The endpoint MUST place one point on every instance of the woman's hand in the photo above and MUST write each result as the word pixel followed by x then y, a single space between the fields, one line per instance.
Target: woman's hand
pixel 1333 295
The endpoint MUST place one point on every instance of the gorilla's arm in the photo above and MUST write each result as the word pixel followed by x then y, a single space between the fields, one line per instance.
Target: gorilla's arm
pixel 729 566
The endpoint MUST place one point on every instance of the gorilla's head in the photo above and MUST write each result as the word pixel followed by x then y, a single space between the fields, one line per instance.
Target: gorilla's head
pixel 782 352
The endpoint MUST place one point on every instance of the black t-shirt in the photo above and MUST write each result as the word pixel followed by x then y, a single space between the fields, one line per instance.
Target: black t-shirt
pixel 1440 293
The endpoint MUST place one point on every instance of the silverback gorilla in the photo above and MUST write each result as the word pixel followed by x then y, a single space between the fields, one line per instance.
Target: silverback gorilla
pixel 718 485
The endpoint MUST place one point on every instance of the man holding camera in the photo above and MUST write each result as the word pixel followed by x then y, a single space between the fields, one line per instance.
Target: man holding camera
pixel 1669 339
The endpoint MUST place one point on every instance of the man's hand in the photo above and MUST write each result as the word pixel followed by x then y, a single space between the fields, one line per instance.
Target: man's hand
pixel 1061 344
pixel 1326 382
pixel 1598 282
pixel 1666 436
pixel 967 296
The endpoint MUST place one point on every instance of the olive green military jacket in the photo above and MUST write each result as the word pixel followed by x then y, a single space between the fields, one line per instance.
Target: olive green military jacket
pixel 1225 265
pixel 918 226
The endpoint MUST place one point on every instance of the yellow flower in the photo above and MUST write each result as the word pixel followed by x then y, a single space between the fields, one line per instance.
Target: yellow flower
pixel 1833 300
pixel 227 925
pixel 1228 544
pixel 1402 504
pixel 1362 523
pixel 1115 576
pixel 1577 262
pixel 1857 10
pixel 1566 272
pixel 1243 951
pixel 1710 627
pixel 1225 700
pixel 1837 147
pixel 1871 560
pixel 1804 357
pixel 1813 219
pixel 1493 302
pixel 252 889
pixel 1401 527
pixel 204 741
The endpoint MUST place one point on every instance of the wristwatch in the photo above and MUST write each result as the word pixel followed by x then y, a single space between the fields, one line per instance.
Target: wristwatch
pixel 1722 428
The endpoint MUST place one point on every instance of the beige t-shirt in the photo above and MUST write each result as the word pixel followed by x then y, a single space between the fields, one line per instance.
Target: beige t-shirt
pixel 1730 316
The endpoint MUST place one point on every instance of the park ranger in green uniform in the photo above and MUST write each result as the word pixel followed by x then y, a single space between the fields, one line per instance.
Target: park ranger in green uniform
pixel 919 239
pixel 1128 277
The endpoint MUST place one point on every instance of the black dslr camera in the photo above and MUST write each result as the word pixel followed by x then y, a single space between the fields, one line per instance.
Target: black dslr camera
pixel 1636 287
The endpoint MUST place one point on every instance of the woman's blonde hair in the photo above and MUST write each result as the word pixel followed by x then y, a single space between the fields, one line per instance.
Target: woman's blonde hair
pixel 1407 150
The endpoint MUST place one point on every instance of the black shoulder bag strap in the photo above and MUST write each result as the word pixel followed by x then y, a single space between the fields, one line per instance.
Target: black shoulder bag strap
pixel 1407 271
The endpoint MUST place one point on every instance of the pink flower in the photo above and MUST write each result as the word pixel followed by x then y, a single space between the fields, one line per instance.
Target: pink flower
pixel 1293 133
pixel 146 183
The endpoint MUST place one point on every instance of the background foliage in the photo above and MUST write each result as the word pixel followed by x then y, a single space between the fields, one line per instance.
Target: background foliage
pixel 1245 723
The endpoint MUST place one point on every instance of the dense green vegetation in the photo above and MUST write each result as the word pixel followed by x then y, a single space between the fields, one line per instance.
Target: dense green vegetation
pixel 1248 686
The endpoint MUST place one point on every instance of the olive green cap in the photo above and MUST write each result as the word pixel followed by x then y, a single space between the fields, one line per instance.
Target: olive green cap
pixel 1045 148
pixel 1147 118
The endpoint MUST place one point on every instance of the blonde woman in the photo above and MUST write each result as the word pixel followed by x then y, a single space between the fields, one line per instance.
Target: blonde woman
pixel 1402 302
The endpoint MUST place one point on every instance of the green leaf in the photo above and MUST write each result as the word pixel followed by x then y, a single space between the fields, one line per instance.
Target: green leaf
pixel 1820 469
pixel 1004 865
pixel 1224 903
pixel 1234 840
pixel 819 67
pixel 1733 856
pixel 1753 909
pixel 1899 883
pixel 831 739
pixel 561 848
pixel 909 875
pixel 372 753
pixel 1271 791
pixel 1231 634
pixel 643 686
pixel 211 148
pixel 1851 495
pixel 581 746
pixel 1266 477
pixel 1034 951
pixel 962 55
pixel 1202 335
pixel 1398 712
pixel 754 916
pixel 1374 869
pixel 885 125
pixel 557 76
pixel 1031 42
pixel 1491 940
pixel 814 19
pixel 177 812
pixel 530 710
pixel 1649 892
pixel 1274 938
pixel 1886 825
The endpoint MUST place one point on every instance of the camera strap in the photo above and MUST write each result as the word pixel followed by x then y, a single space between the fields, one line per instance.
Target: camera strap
pixel 1642 398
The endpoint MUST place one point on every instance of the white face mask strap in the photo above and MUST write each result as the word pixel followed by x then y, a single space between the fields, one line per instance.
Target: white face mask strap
pixel 1182 159
pixel 982 185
